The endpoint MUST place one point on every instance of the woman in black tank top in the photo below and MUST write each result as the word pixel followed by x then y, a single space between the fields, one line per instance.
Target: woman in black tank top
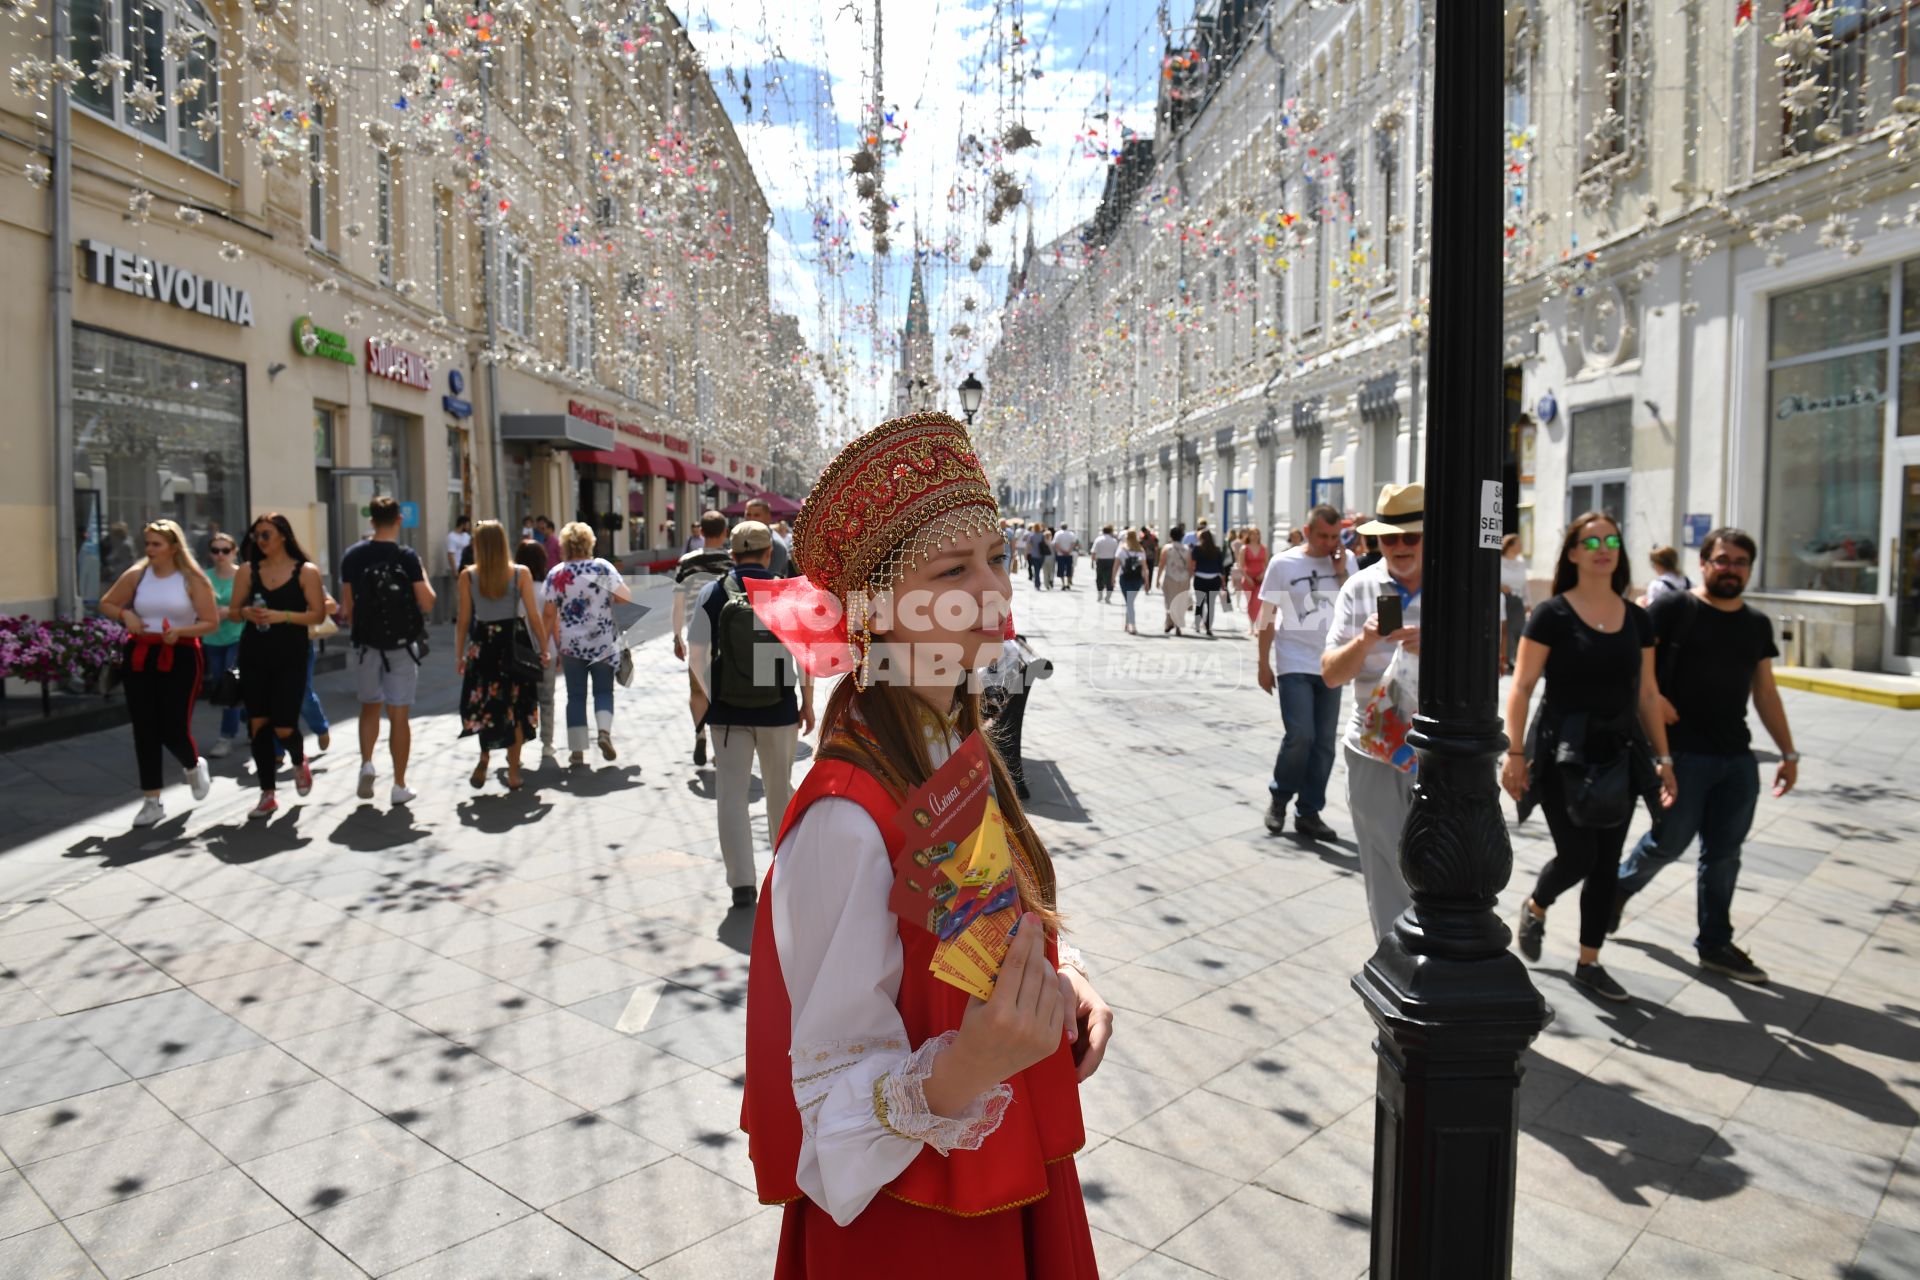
pixel 277 593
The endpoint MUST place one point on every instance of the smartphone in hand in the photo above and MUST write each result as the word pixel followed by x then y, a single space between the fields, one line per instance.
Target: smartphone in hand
pixel 1388 610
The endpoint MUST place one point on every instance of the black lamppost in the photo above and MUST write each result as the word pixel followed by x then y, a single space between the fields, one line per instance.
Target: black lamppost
pixel 970 393
pixel 1455 1008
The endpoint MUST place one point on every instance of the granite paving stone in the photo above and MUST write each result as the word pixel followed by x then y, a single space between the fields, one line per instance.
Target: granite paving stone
pixel 387 1228
pixel 152 1230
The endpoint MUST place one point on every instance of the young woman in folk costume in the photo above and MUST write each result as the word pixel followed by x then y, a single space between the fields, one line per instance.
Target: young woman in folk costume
pixel 907 1127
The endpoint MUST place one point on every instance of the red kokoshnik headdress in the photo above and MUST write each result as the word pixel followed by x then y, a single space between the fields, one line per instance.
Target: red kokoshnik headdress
pixel 891 499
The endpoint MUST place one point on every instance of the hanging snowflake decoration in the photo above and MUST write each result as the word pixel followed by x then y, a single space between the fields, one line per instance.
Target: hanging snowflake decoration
pixel 266 8
pixel 17 9
pixel 324 84
pixel 1018 137
pixel 109 70
pixel 36 174
pixel 139 205
pixel 189 216
pixel 231 252
pixel 144 101
pixel 179 43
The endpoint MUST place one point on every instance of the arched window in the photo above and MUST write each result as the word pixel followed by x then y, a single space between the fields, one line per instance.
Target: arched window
pixel 580 329
pixel 172 101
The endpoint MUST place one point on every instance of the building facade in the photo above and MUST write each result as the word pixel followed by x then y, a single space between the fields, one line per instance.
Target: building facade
pixel 318 254
pixel 1236 333
pixel 1714 299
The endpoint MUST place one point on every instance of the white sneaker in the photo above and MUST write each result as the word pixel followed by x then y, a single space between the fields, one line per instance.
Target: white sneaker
pixel 150 813
pixel 197 780
pixel 401 795
pixel 222 747
pixel 366 782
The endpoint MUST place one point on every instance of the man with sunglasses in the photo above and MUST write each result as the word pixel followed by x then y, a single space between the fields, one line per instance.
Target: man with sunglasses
pixel 1358 652
pixel 1297 596
pixel 1713 651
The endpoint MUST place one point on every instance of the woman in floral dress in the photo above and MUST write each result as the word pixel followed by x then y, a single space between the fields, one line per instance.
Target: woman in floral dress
pixel 497 610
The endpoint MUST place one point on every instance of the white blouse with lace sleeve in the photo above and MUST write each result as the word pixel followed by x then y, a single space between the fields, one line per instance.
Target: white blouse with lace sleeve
pixel 859 1085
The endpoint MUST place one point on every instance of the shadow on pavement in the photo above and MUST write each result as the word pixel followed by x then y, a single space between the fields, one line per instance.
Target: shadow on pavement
pixel 1340 854
pixel 592 782
pixel 1790 1061
pixel 1052 797
pixel 498 814
pixel 239 843
pixel 705 785
pixel 167 836
pixel 369 829
pixel 736 930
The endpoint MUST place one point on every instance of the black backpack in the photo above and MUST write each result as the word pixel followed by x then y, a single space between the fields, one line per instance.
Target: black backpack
pixel 1133 570
pixel 737 641
pixel 385 613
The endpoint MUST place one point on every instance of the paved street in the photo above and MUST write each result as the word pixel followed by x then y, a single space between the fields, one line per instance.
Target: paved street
pixel 501 1036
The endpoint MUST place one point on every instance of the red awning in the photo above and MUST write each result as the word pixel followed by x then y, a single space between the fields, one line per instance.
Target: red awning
pixel 715 478
pixel 619 456
pixel 657 464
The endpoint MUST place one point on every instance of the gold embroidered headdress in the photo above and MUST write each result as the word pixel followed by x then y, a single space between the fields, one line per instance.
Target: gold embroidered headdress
pixel 892 498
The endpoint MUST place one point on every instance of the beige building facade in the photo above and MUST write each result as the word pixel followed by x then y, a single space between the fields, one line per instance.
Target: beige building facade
pixel 290 294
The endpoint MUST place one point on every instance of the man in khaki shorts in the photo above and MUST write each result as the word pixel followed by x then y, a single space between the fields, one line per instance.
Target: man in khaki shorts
pixel 385 599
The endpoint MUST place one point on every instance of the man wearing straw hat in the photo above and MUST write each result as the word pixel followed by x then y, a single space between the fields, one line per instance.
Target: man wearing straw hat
pixel 1383 666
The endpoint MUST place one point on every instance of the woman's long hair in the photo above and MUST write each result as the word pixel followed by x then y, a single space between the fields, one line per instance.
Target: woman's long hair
pixel 183 560
pixel 492 567
pixel 532 557
pixel 1566 573
pixel 894 714
pixel 278 521
pixel 1205 544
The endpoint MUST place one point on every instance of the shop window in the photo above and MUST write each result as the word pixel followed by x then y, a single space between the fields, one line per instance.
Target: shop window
pixel 1835 313
pixel 1826 436
pixel 169 91
pixel 317 177
pixel 456 474
pixel 515 285
pixel 580 329
pixel 158 432
pixel 1600 460
pixel 383 219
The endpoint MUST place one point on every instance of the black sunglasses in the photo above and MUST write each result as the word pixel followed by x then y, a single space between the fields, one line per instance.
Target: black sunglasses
pixel 220 551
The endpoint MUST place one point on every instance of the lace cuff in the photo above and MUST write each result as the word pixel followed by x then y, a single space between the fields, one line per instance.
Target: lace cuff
pixel 900 1105
pixel 1070 958
pixel 819 1065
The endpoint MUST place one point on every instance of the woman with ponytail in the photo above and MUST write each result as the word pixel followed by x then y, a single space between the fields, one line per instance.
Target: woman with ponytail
pixel 906 1125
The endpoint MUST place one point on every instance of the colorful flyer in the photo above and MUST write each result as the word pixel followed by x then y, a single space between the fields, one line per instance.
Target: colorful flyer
pixel 957 879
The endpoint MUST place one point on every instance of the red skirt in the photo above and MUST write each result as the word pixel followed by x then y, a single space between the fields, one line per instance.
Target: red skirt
pixel 1046 1240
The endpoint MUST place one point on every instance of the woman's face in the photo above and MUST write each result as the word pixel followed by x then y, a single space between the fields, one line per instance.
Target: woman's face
pixel 267 537
pixel 946 615
pixel 221 552
pixel 158 547
pixel 1601 559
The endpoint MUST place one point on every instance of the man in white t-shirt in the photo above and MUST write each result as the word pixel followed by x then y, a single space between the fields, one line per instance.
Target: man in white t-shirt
pixel 457 543
pixel 1106 548
pixel 1065 543
pixel 1379 761
pixel 1297 597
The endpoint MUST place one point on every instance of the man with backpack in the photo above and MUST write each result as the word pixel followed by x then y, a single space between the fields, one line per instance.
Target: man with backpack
pixel 1713 652
pixel 701 565
pixel 745 688
pixel 385 599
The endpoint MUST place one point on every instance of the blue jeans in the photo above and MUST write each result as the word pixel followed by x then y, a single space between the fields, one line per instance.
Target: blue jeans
pixel 577 672
pixel 1129 594
pixel 1311 712
pixel 220 659
pixel 311 711
pixel 1716 802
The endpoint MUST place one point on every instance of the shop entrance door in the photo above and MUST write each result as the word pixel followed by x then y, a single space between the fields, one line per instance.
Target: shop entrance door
pixel 1901 645
pixel 348 519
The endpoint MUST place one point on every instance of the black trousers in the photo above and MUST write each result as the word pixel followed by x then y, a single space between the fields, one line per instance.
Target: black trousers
pixel 1103 575
pixel 273 676
pixel 1580 854
pixel 160 704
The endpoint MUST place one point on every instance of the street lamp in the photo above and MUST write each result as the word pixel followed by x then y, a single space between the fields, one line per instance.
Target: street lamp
pixel 1454 1007
pixel 970 393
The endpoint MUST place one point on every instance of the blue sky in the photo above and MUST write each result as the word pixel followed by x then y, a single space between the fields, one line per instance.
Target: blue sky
pixel 949 71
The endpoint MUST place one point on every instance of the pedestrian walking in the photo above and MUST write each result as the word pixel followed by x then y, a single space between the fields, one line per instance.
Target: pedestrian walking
pixel 313 713
pixel 1105 548
pixel 1229 568
pixel 1295 537
pixel 580 597
pixel 1297 594
pixel 706 563
pixel 385 601
pixel 746 694
pixel 896 1117
pixel 220 650
pixel 502 653
pixel 1668 579
pixel 1150 543
pixel 1252 570
pixel 781 565
pixel 1066 544
pixel 458 541
pixel 1176 578
pixel 278 592
pixel 165 603
pixel 1585 760
pixel 1381 661
pixel 1049 559
pixel 1037 551
pixel 1513 600
pixel 1209 571
pixel 1133 576
pixel 1714 652
pixel 549 540
pixel 532 556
